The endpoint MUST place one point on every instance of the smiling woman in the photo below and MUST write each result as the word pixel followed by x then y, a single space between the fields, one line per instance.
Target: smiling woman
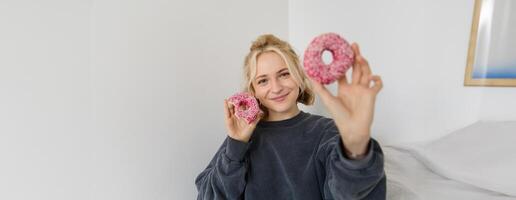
pixel 272 72
pixel 291 154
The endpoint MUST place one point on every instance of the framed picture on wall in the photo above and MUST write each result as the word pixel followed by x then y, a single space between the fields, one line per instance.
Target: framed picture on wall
pixel 492 46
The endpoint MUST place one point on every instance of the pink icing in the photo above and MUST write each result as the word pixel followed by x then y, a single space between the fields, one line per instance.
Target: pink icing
pixel 246 106
pixel 343 58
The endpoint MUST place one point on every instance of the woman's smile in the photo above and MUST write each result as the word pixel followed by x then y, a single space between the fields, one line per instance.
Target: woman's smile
pixel 280 98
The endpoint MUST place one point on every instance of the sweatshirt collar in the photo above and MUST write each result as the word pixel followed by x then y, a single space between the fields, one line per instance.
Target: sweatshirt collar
pixel 286 122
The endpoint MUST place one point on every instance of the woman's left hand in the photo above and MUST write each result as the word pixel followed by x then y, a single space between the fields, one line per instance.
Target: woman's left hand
pixel 353 106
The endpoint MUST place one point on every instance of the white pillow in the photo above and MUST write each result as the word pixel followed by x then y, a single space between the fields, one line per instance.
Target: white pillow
pixel 482 154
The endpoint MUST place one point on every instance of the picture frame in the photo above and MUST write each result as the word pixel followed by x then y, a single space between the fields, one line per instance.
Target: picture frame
pixel 491 59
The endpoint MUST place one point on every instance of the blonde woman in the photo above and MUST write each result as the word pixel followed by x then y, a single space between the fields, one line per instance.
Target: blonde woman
pixel 291 154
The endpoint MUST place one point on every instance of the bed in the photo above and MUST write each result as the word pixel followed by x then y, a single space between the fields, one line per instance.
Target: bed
pixel 477 162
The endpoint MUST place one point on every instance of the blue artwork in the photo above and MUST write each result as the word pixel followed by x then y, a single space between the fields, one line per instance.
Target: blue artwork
pixel 492 51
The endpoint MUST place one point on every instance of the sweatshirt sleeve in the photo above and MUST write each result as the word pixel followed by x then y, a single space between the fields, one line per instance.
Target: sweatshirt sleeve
pixel 350 179
pixel 224 178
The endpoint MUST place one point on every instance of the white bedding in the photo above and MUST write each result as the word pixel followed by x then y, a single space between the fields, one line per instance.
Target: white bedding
pixel 482 154
pixel 476 162
pixel 409 179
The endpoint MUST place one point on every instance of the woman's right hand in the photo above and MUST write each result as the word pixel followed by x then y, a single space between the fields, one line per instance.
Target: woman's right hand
pixel 237 127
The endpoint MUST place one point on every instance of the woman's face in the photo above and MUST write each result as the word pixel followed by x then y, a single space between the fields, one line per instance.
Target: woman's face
pixel 273 84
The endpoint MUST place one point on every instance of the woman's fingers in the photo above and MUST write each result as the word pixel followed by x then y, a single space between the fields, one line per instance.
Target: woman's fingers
pixel 378 83
pixel 366 71
pixel 323 92
pixel 357 68
pixel 355 49
pixel 343 81
pixel 228 117
pixel 231 109
pixel 226 109
pixel 361 65
pixel 357 73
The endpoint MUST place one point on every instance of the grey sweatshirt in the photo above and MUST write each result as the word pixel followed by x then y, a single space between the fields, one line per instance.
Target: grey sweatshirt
pixel 297 158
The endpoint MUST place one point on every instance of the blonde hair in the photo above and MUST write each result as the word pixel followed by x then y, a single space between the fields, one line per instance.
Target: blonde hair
pixel 270 43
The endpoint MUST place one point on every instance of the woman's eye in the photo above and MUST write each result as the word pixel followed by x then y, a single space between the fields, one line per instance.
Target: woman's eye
pixel 262 81
pixel 285 74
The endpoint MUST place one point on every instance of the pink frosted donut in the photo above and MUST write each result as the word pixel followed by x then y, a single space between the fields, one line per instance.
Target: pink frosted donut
pixel 246 106
pixel 343 58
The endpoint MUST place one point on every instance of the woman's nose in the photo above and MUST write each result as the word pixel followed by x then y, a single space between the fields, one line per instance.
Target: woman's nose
pixel 276 86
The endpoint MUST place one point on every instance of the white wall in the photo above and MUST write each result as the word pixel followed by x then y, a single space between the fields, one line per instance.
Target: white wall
pixel 46 141
pixel 419 48
pixel 119 99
